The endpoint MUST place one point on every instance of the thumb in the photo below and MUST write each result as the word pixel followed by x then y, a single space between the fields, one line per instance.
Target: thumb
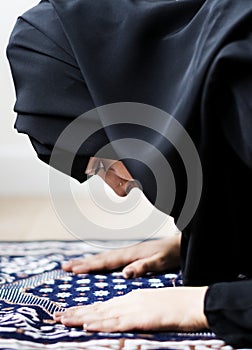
pixel 141 267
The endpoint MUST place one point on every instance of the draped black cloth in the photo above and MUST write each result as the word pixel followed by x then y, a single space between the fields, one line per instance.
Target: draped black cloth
pixel 190 58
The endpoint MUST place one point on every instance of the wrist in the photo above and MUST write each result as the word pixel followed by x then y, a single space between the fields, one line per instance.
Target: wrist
pixel 174 244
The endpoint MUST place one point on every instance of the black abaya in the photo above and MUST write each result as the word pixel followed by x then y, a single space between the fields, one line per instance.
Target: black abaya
pixel 191 58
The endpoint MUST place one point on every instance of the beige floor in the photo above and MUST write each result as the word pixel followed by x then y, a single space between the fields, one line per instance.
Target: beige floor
pixel 30 219
pixel 34 218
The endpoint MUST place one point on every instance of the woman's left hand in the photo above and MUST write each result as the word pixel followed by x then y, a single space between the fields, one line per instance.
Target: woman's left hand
pixel 162 309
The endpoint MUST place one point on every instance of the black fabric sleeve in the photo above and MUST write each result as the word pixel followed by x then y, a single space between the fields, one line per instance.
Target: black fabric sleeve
pixel 228 308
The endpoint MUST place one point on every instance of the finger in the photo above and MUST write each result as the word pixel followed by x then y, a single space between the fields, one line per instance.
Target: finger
pixel 85 265
pixel 104 261
pixel 117 183
pixel 108 325
pixel 67 266
pixel 57 316
pixel 73 317
pixel 76 316
pixel 70 265
pixel 142 266
pixel 98 262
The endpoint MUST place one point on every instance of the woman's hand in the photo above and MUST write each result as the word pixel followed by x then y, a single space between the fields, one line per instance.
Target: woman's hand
pixel 177 309
pixel 152 256
pixel 114 173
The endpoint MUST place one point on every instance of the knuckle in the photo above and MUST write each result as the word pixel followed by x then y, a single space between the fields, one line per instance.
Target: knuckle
pixel 161 261
pixel 103 257
pixel 144 265
pixel 97 306
pixel 119 324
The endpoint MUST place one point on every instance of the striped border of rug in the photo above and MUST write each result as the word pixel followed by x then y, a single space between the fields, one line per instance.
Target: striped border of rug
pixel 33 287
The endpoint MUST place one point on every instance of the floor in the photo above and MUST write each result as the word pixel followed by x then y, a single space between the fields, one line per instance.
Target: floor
pixel 34 218
pixel 24 219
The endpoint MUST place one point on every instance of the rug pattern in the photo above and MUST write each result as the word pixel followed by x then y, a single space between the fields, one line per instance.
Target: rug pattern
pixel 33 287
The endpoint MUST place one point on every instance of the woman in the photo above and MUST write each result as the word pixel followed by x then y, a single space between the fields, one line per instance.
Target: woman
pixel 192 59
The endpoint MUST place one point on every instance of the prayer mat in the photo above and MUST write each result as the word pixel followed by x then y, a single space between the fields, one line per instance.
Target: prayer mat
pixel 33 286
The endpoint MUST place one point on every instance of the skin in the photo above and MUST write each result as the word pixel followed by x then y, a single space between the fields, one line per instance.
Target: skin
pixel 177 309
pixel 143 309
pixel 114 173
pixel 155 256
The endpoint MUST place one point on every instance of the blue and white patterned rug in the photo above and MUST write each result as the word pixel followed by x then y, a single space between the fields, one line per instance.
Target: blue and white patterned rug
pixel 33 287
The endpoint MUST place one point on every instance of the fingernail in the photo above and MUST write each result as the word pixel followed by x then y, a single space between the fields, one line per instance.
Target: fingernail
pixel 129 273
pixel 85 327
pixel 91 327
pixel 57 318
pixel 64 319
pixel 76 270
pixel 66 264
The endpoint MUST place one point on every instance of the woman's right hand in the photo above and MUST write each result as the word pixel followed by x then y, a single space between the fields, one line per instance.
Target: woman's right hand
pixel 151 256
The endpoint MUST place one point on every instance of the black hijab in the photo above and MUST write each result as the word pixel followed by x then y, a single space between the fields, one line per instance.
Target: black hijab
pixel 190 58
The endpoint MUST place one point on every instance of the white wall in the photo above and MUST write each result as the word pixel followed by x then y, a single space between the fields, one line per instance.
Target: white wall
pixel 21 173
